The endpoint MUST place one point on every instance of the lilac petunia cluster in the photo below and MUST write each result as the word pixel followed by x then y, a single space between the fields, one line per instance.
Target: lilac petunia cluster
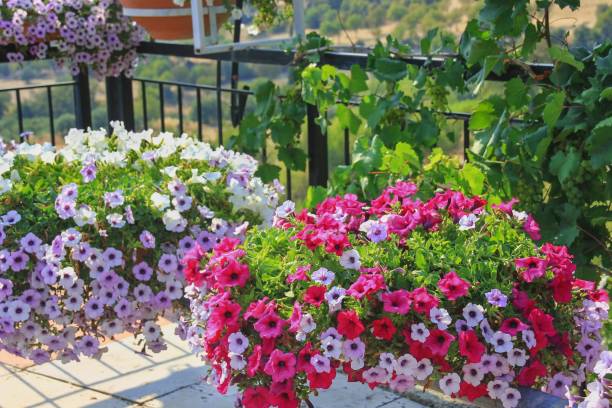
pixel 75 33
pixel 94 254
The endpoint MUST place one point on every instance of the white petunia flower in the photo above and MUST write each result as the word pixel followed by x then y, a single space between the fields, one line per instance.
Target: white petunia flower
pixel 160 201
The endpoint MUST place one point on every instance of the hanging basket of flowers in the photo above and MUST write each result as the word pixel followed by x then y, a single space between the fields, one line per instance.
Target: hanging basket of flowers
pixel 404 290
pixel 92 34
pixel 91 235
pixel 172 19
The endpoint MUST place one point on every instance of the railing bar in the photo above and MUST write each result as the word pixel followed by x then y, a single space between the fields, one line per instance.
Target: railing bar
pixel 347 142
pixel 19 111
pixel 145 117
pixel 161 107
pixel 38 86
pixel 466 139
pixel 51 122
pixel 180 108
pixel 199 108
pixel 219 107
pixel 196 86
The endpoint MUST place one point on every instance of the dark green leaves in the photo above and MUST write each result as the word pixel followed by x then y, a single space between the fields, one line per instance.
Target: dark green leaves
pixel 516 93
pixel 553 108
pixel 599 144
pixel 564 165
pixel 389 69
pixel 563 55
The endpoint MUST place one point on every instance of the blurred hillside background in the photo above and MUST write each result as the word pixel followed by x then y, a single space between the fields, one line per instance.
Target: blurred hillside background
pixel 346 22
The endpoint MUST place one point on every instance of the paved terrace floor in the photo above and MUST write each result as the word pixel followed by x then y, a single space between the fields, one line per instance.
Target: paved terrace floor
pixel 125 378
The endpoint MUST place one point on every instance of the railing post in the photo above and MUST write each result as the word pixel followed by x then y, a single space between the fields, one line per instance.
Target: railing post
pixel 82 100
pixel 317 150
pixel 120 100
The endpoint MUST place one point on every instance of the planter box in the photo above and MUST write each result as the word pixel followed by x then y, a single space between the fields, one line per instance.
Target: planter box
pixel 530 398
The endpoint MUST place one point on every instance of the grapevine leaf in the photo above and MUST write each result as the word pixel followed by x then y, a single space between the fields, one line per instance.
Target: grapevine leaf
pixel 388 69
pixel 267 172
pixel 604 65
pixel 563 55
pixel 564 165
pixel 483 117
pixel 599 144
pixel 606 94
pixel 348 120
pixel 516 93
pixel 314 195
pixel 568 229
pixel 474 177
pixel 359 80
pixel 553 108
pixel 282 133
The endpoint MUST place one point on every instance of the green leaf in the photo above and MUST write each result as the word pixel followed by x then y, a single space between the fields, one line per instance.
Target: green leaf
pixel 564 165
pixel 314 195
pixel 530 41
pixel 604 64
pixel 265 96
pixel 474 177
pixel 483 117
pixel 563 55
pixel 599 144
pixel 359 80
pixel 293 157
pixel 348 120
pixel 282 133
pixel 389 69
pixel 568 228
pixel 553 108
pixel 328 71
pixel 426 41
pixel 480 49
pixel 516 93
pixel 267 172
pixel 371 110
pixel 402 161
pixel 606 94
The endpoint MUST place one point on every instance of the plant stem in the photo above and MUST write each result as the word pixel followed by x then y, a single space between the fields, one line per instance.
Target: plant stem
pixel 547 25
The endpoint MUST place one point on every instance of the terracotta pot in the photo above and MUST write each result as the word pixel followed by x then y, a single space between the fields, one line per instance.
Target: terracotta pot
pixel 164 20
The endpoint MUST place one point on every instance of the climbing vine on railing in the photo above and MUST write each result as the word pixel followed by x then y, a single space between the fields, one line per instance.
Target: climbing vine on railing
pixel 543 137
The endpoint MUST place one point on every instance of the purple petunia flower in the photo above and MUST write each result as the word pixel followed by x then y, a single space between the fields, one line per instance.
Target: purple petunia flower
pixel 353 349
pixel 18 260
pixel 89 173
pixel 114 199
pixel 497 298
pixel 168 263
pixel 30 243
pixel 94 309
pixel 147 239
pixel 186 244
pixel 162 300
pixel 113 257
pixel 88 345
pixel 377 232
pixel 206 240
pixel 143 293
pixel 142 271
pixel 10 218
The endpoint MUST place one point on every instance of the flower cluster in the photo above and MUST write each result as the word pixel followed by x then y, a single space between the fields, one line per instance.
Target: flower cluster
pixel 74 32
pixel 446 290
pixel 91 235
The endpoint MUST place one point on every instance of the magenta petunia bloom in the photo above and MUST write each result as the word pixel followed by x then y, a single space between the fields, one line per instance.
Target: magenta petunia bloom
pixel 280 366
pixel 453 286
pixel 396 302
pixel 531 268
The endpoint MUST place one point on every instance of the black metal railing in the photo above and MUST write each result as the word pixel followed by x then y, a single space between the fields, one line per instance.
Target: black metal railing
pixel 120 99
